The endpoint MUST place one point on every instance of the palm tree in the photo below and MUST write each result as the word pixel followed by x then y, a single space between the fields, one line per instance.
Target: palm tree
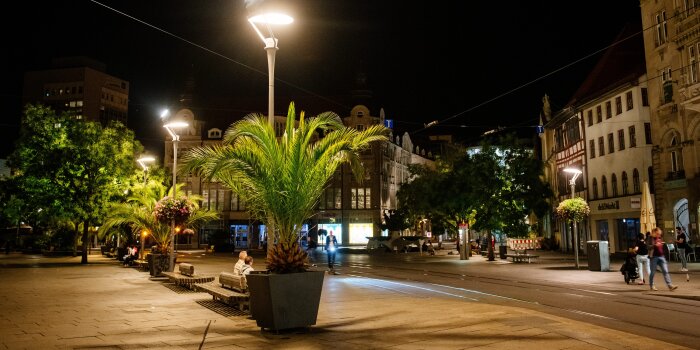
pixel 137 214
pixel 282 179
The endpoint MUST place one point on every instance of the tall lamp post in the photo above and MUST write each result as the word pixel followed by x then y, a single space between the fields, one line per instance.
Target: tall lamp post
pixel 142 162
pixel 170 127
pixel 575 173
pixel 266 16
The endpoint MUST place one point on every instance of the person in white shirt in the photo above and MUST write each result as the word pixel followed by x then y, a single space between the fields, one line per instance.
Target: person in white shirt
pixel 248 266
pixel 239 264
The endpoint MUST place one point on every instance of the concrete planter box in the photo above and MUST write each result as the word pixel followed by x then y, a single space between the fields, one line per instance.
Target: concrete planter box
pixel 284 301
pixel 157 263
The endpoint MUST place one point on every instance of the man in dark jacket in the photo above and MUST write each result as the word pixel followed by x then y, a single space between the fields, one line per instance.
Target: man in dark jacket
pixel 331 246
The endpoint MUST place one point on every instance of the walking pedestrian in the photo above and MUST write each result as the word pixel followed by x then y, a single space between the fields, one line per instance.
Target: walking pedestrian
pixel 682 246
pixel 658 259
pixel 642 257
pixel 331 245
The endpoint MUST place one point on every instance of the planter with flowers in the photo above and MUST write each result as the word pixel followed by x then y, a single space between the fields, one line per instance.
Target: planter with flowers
pixel 573 210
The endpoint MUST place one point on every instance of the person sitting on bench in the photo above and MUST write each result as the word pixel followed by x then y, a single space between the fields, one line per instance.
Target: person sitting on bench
pixel 132 254
pixel 248 266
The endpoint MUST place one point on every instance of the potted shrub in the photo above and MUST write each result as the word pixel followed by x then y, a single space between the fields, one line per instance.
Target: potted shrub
pixel 150 209
pixel 282 179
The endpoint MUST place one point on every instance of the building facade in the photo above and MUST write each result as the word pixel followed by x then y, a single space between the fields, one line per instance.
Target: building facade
pixel 563 146
pixel 618 148
pixel 605 132
pixel 352 210
pixel 80 85
pixel 672 45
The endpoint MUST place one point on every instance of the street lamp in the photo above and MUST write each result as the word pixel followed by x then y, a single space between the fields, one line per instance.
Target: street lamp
pixel 265 14
pixel 144 233
pixel 142 162
pixel 170 127
pixel 575 173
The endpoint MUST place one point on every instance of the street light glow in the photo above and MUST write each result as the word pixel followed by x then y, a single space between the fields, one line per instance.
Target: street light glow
pixel 164 113
pixel 573 171
pixel 272 18
pixel 145 159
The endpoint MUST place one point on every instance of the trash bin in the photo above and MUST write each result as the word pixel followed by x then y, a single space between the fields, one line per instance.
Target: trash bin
pixel 598 256
pixel 502 251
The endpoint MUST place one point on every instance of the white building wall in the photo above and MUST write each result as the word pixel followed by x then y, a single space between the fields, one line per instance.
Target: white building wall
pixel 607 212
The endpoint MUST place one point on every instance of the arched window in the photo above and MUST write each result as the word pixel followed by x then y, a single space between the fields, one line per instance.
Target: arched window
pixel 595 188
pixel 676 158
pixel 635 182
pixel 625 184
pixel 604 185
pixel 613 185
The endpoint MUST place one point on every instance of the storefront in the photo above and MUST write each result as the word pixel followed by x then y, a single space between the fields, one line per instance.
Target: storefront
pixel 616 221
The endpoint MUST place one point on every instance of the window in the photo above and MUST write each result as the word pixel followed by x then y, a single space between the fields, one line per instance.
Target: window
pixel 625 185
pixel 360 198
pixel 621 139
pixel 604 186
pixel 592 145
pixel 618 105
pixel 647 133
pixel 635 181
pixel 595 188
pixel 608 110
pixel 360 114
pixel 633 137
pixel 360 127
pixel 630 105
pixel 613 185
pixel 601 145
pixel 645 97
pixel 675 164
pixel 661 28
pixel 611 143
pixel 590 117
pixel 205 199
pixel 599 113
pixel 692 69
pixel 666 85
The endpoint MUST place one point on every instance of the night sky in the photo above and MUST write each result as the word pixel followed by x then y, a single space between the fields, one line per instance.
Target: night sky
pixel 450 61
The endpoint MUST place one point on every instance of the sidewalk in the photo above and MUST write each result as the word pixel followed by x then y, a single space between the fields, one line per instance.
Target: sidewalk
pixel 56 303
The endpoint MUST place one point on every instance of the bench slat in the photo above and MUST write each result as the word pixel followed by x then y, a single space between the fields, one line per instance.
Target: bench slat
pixel 227 296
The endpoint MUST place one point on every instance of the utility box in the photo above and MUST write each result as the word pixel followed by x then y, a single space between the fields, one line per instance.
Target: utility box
pixel 598 256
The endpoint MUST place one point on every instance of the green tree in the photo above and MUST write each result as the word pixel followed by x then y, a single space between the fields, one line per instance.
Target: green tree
pixel 73 167
pixel 395 220
pixel 282 179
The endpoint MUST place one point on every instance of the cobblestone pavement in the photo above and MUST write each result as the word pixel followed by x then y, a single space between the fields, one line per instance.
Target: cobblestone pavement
pixel 57 303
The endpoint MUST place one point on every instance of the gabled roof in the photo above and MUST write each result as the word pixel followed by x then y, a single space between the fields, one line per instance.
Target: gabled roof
pixel 622 63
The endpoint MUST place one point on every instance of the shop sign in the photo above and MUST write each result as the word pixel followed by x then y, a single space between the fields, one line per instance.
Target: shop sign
pixel 609 205
pixel 635 203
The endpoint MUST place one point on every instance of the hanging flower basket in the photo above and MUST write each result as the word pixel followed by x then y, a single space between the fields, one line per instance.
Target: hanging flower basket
pixel 169 208
pixel 573 210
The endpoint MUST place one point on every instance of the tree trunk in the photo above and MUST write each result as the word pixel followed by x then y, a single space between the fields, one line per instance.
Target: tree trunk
pixel 84 259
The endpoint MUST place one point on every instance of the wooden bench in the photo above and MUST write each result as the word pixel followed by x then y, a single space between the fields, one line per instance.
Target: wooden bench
pixel 231 289
pixel 186 277
pixel 522 257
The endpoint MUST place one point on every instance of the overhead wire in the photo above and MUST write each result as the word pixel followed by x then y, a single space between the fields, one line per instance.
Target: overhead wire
pixel 560 69
pixel 440 123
